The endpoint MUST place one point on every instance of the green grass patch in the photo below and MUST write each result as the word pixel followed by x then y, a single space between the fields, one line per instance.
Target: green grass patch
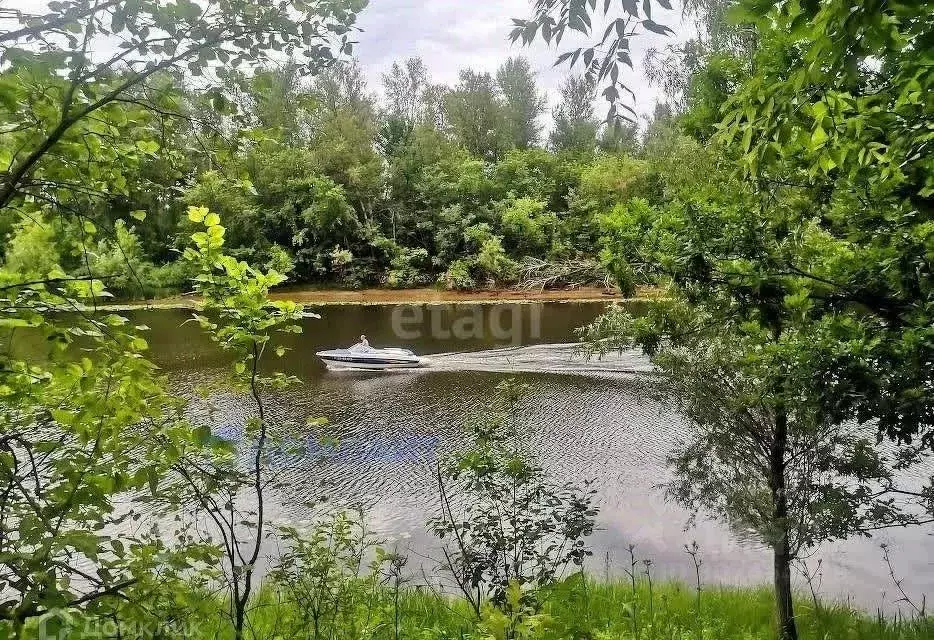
pixel 577 609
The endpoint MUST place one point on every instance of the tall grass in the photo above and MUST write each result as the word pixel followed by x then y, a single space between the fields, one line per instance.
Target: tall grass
pixel 580 608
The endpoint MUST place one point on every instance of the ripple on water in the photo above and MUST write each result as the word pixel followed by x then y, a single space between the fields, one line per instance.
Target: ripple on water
pixel 598 421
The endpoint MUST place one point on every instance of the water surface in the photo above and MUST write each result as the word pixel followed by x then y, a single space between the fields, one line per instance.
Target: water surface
pixel 584 420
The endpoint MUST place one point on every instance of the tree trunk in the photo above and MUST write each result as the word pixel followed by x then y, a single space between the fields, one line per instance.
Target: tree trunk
pixel 787 628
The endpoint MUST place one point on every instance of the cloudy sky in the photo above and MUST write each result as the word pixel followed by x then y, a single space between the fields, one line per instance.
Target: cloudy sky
pixel 452 34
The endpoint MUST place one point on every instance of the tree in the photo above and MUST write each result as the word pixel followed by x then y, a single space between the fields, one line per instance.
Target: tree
pixel 712 246
pixel 54 83
pixel 342 88
pixel 620 138
pixel 242 320
pixel 860 258
pixel 82 441
pixel 523 105
pixel 32 249
pixel 575 127
pixel 405 90
pixel 475 114
pixel 680 67
pixel 83 445
pixel 280 102
pixel 528 229
pixel 825 243
pixel 434 114
pixel 761 455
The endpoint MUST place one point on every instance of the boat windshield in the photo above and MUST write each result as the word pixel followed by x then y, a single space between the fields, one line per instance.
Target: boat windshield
pixel 361 347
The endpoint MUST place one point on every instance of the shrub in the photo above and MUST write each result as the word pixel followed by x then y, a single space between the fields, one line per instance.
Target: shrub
pixel 409 268
pixel 492 263
pixel 279 260
pixel 528 227
pixel 332 590
pixel 170 278
pixel 458 276
pixel 32 249
pixel 622 230
pixel 509 528
pixel 611 179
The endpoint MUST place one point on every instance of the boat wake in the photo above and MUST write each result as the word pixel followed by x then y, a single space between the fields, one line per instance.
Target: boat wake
pixel 543 358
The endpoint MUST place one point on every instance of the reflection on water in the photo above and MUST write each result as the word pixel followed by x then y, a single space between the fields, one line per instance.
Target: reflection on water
pixel 583 419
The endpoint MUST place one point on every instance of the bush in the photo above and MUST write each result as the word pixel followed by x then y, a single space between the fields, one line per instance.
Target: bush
pixel 331 589
pixel 174 277
pixel 32 249
pixel 279 260
pixel 528 227
pixel 458 276
pixel 118 260
pixel 509 529
pixel 409 267
pixel 492 263
pixel 622 230
pixel 611 179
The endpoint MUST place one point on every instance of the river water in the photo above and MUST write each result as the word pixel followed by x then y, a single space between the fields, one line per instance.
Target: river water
pixel 583 419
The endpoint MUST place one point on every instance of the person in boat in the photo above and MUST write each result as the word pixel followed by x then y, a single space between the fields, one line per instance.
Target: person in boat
pixel 363 345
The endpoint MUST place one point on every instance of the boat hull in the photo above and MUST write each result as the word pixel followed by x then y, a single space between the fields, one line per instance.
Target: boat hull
pixel 376 360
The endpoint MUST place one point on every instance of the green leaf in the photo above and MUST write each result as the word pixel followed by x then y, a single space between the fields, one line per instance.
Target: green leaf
pixel 138 214
pixel 197 214
pixel 147 146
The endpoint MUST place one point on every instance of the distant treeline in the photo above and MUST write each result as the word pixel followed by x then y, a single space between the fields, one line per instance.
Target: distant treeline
pixel 455 186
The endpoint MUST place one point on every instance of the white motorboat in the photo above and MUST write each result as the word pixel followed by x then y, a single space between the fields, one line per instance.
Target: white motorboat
pixel 370 359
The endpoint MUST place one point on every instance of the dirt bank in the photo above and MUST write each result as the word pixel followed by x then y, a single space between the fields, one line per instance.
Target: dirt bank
pixel 325 297
pixel 439 296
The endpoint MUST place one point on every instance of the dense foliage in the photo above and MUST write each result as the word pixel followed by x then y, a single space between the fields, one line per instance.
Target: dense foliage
pixel 782 201
pixel 797 250
pixel 436 185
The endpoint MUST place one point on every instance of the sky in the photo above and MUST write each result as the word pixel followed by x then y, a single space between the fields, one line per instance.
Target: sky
pixel 453 34
pixel 450 35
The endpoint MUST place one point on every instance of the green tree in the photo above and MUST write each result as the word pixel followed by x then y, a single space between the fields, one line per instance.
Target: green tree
pixel 243 321
pixel 83 445
pixel 575 127
pixel 405 89
pixel 528 228
pixel 59 87
pixel 523 105
pixel 620 138
pixel 279 102
pixel 761 454
pixel 861 253
pixel 33 249
pixel 474 112
pixel 342 88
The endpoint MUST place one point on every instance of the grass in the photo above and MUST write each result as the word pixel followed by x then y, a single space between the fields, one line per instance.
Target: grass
pixel 579 609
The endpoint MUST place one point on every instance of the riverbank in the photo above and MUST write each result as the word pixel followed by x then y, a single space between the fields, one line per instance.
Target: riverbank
pixel 424 296
pixel 578 608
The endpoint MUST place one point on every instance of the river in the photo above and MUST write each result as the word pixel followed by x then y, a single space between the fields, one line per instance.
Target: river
pixel 584 420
